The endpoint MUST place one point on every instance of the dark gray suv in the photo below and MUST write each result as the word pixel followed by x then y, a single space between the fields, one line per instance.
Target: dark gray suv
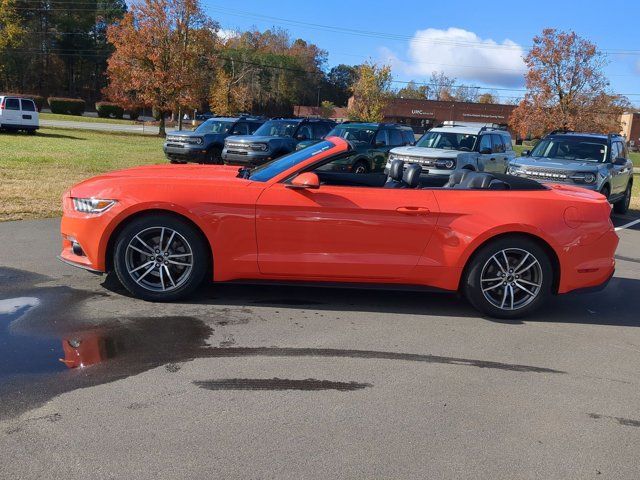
pixel 595 161
pixel 205 143
pixel 275 138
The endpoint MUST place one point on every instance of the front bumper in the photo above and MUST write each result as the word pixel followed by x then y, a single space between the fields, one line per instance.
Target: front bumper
pixel 186 153
pixel 248 157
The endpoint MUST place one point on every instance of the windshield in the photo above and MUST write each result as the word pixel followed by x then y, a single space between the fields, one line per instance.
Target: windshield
pixel 214 126
pixel 277 128
pixel 571 149
pixel 354 133
pixel 269 170
pixel 448 141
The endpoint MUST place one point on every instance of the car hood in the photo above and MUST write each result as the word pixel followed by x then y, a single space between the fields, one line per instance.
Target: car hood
pixel 559 164
pixel 426 152
pixel 190 133
pixel 157 175
pixel 252 138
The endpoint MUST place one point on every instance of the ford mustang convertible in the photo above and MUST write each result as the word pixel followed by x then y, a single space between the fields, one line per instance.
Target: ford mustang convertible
pixel 506 243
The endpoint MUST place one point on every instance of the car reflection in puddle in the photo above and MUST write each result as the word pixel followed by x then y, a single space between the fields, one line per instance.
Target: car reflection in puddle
pixel 89 349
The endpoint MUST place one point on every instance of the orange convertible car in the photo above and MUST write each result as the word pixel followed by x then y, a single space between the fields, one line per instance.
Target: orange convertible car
pixel 505 242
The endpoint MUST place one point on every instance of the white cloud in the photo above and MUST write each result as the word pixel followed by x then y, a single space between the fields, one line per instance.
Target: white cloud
pixel 461 54
pixel 226 33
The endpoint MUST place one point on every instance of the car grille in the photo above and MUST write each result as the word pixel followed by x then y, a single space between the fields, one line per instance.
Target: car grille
pixel 424 161
pixel 237 146
pixel 237 152
pixel 551 174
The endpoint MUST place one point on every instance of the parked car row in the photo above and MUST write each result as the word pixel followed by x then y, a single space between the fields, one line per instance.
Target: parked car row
pixel 593 161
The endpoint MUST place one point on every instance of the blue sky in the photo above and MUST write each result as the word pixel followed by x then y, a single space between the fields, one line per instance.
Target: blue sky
pixel 480 43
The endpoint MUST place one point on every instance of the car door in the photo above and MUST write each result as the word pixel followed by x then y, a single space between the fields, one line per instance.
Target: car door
pixel 11 112
pixel 618 172
pixel 499 159
pixel 28 113
pixel 485 153
pixel 343 232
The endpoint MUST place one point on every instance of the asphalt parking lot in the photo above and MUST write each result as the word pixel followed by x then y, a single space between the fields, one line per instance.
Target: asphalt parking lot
pixel 282 382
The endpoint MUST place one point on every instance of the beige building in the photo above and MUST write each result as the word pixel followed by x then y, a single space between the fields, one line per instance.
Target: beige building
pixel 631 128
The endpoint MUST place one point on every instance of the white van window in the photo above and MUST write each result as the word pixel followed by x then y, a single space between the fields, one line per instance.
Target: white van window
pixel 12 104
pixel 28 106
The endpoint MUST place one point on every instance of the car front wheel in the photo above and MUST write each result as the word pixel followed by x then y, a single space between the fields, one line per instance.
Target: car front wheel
pixel 622 205
pixel 160 258
pixel 508 278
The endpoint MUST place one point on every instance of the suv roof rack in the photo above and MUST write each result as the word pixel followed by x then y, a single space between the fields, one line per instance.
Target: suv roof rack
pixel 492 128
pixel 560 130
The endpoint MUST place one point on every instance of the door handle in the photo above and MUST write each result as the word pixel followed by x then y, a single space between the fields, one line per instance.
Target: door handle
pixel 492 159
pixel 413 210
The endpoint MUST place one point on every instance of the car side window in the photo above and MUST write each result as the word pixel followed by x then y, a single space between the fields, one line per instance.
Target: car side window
pixel 409 138
pixel 304 133
pixel 320 130
pixel 498 144
pixel 508 147
pixel 623 151
pixel 253 127
pixel 485 143
pixel 395 138
pixel 240 129
pixel 615 150
pixel 12 104
pixel 28 105
pixel 382 138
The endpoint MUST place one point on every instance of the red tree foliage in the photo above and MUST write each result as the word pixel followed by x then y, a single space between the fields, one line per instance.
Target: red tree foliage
pixel 164 53
pixel 566 88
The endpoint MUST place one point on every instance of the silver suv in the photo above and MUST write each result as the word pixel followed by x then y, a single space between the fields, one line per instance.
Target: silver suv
pixel 590 160
pixel 451 147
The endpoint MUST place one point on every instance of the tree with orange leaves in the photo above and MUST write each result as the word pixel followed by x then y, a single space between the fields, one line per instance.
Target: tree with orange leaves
pixel 164 56
pixel 566 88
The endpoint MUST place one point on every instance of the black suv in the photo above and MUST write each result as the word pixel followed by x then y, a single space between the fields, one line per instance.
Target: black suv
pixel 205 143
pixel 273 139
pixel 371 144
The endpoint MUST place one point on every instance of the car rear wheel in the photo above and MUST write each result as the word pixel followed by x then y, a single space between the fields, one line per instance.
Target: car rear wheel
pixel 622 205
pixel 160 258
pixel 509 277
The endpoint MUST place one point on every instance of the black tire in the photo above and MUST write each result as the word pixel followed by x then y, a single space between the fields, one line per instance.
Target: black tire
pixel 622 206
pixel 127 251
pixel 518 248
pixel 360 167
pixel 214 157
pixel 606 191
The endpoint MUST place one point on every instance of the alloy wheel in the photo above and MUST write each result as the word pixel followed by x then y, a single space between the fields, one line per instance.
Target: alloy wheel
pixel 159 259
pixel 511 279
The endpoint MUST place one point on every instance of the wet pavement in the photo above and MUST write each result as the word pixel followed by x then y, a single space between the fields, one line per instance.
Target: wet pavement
pixel 283 382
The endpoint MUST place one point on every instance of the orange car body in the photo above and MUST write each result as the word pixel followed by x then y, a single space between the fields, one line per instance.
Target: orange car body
pixel 267 231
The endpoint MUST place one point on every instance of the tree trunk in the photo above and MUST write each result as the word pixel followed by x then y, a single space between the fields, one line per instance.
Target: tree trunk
pixel 162 130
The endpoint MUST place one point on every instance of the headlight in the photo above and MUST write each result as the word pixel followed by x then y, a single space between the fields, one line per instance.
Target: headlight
pixel 92 205
pixel 261 147
pixel 392 156
pixel 446 163
pixel 589 178
pixel 513 170
pixel 198 140
pixel 583 177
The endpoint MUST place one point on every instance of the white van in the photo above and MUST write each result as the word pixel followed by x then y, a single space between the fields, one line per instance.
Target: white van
pixel 18 114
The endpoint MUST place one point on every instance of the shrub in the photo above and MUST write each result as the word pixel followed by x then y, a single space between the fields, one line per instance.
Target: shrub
pixel 134 113
pixel 109 110
pixel 66 106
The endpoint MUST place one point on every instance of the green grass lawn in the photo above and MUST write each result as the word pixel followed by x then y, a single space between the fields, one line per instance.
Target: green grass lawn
pixel 36 170
pixel 81 118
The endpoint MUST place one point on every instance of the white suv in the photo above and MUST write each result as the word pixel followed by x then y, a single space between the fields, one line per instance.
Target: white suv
pixel 18 113
pixel 454 146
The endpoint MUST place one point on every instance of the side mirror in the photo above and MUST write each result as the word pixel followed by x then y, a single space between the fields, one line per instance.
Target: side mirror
pixel 304 181
pixel 620 161
pixel 485 151
pixel 525 153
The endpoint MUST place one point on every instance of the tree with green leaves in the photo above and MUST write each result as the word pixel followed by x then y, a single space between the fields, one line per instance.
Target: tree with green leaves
pixel 371 93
